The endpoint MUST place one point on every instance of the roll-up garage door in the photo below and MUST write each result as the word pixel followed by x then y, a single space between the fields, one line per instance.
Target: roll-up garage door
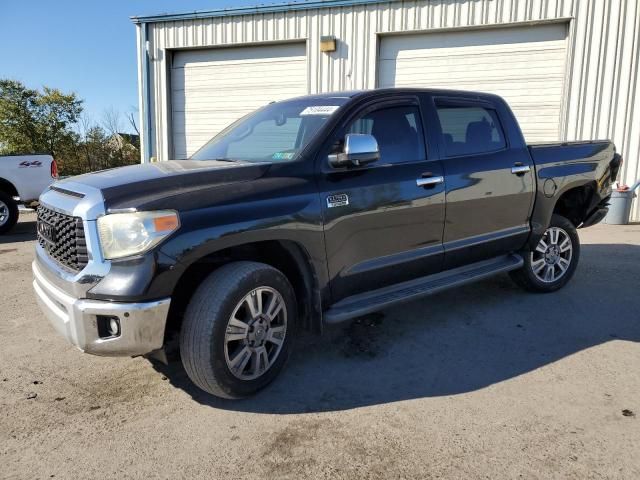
pixel 525 65
pixel 214 87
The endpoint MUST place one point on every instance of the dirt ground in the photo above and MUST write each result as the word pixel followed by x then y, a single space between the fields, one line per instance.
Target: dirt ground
pixel 485 381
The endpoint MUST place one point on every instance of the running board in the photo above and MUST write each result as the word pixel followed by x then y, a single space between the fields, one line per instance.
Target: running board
pixel 363 303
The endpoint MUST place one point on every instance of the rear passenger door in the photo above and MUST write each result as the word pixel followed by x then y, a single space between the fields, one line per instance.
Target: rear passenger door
pixel 383 221
pixel 489 182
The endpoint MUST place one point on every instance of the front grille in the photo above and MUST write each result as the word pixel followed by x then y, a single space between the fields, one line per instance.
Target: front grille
pixel 62 237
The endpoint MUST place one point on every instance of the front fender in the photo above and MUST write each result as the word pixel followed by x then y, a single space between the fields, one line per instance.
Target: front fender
pixel 207 231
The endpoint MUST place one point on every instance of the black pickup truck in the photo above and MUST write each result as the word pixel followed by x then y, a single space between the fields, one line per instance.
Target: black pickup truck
pixel 307 212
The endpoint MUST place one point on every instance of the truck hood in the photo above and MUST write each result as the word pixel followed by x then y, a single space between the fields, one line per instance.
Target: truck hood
pixel 156 184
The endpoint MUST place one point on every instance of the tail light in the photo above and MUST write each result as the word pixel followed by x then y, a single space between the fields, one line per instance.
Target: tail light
pixel 54 170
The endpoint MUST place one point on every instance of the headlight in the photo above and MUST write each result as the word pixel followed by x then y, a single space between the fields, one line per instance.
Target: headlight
pixel 126 234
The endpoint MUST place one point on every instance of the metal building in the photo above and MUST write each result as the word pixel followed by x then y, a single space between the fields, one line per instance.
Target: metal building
pixel 569 68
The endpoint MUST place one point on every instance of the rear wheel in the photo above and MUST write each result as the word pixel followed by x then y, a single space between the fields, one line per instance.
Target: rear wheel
pixel 553 262
pixel 238 329
pixel 8 212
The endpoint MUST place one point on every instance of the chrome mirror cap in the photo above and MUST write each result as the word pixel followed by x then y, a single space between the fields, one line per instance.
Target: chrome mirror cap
pixel 359 149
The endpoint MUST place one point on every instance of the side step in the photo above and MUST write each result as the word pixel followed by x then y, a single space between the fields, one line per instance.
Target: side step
pixel 363 303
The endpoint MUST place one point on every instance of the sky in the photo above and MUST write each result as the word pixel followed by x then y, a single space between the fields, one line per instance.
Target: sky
pixel 84 46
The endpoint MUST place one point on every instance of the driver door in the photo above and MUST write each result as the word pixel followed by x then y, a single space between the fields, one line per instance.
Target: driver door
pixel 381 227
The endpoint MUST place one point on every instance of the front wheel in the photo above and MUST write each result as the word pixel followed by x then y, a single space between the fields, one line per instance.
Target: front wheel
pixel 238 328
pixel 8 212
pixel 553 262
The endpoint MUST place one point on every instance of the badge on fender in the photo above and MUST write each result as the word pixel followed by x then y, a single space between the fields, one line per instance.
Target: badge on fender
pixel 339 200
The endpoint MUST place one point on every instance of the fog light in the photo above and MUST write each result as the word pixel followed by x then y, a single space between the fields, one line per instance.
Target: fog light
pixel 114 327
pixel 108 326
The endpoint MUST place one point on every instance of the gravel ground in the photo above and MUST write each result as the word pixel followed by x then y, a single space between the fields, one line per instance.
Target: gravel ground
pixel 482 382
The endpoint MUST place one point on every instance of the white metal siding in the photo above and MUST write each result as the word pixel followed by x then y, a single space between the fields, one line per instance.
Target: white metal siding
pixel 212 88
pixel 525 65
pixel 601 99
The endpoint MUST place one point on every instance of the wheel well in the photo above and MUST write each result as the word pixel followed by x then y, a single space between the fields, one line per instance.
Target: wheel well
pixel 286 256
pixel 573 203
pixel 7 187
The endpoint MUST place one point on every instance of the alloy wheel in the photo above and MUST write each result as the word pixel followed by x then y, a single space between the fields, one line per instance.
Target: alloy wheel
pixel 255 333
pixel 4 213
pixel 552 256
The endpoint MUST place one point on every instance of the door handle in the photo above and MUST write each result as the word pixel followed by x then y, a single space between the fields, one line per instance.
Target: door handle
pixel 429 181
pixel 520 169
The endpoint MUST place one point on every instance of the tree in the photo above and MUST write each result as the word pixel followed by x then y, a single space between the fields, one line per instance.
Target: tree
pixel 36 122
pixel 111 121
pixel 50 121
pixel 132 116
pixel 56 113
pixel 18 130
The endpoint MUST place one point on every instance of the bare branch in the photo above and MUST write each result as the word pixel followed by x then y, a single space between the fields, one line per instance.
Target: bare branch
pixel 132 121
pixel 111 121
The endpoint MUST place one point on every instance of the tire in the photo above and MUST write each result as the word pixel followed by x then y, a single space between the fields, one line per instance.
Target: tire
pixel 210 346
pixel 543 269
pixel 8 212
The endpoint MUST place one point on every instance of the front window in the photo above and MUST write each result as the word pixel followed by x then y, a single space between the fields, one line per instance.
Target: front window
pixel 397 130
pixel 275 133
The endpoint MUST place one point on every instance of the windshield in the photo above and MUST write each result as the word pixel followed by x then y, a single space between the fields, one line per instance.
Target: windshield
pixel 275 133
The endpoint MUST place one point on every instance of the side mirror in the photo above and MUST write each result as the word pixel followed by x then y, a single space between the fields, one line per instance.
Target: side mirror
pixel 359 149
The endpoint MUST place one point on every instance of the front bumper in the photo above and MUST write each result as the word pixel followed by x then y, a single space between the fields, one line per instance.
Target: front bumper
pixel 142 325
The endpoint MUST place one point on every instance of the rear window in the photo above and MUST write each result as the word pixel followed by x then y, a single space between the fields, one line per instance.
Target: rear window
pixel 470 130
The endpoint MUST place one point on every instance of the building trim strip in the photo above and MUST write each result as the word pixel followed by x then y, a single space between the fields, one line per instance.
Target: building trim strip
pixel 260 9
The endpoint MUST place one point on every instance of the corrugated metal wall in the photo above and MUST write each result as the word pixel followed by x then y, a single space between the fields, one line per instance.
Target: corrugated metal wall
pixel 602 82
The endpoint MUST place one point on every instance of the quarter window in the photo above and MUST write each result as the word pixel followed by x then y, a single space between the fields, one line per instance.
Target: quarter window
pixel 397 130
pixel 470 130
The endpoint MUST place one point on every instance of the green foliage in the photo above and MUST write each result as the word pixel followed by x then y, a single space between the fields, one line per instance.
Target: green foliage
pixel 36 122
pixel 18 129
pixel 47 121
pixel 98 150
pixel 56 112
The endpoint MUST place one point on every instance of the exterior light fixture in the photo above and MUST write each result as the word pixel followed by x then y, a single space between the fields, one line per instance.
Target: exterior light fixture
pixel 327 43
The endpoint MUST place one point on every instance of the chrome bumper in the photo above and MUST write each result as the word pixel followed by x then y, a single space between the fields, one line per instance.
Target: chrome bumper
pixel 141 324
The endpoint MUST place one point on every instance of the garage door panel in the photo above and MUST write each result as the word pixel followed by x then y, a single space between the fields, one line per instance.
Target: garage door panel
pixel 441 56
pixel 483 66
pixel 246 98
pixel 242 89
pixel 484 78
pixel 481 39
pixel 442 53
pixel 196 69
pixel 201 68
pixel 206 126
pixel 240 81
pixel 525 65
pixel 536 89
pixel 224 73
pixel 212 88
pixel 203 57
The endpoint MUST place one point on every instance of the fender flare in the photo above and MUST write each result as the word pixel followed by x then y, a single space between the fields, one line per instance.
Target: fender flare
pixel 8 187
pixel 544 208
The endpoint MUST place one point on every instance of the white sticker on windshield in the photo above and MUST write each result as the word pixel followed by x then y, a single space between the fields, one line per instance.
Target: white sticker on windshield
pixel 319 110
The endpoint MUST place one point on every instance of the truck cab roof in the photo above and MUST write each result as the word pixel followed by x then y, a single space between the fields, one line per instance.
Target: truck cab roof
pixel 402 90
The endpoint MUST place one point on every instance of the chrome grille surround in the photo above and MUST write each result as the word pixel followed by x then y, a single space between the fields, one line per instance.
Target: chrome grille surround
pixel 81 201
